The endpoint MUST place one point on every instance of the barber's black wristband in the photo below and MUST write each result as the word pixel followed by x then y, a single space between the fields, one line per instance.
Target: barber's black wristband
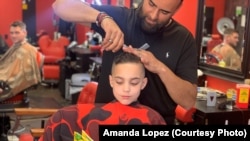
pixel 100 17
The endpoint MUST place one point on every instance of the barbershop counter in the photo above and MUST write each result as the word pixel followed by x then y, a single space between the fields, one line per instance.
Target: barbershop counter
pixel 206 115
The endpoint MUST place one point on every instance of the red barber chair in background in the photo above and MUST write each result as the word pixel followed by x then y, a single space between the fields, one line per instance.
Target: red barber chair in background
pixel 54 51
pixel 215 40
pixel 213 58
pixel 8 103
pixel 88 93
pixel 184 116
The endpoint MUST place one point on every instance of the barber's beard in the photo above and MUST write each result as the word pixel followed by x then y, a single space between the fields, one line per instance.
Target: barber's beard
pixel 148 28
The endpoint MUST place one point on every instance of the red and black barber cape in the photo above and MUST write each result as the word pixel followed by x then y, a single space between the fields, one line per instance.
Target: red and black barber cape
pixel 68 120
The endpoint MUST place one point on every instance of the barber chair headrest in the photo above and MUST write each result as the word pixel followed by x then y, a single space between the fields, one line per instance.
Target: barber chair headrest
pixel 80 79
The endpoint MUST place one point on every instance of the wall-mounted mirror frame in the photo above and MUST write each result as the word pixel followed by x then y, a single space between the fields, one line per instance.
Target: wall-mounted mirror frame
pixel 221 72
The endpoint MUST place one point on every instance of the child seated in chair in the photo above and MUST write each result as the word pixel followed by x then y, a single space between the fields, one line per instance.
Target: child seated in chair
pixel 127 79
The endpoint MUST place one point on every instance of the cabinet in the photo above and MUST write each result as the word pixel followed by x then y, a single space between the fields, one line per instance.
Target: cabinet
pixel 205 115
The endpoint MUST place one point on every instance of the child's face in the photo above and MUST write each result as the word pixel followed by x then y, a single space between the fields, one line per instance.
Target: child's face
pixel 127 81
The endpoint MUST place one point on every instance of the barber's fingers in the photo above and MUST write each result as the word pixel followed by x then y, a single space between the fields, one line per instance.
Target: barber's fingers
pixel 114 37
pixel 114 44
pixel 108 40
pixel 117 42
pixel 132 50
pixel 146 56
pixel 118 46
pixel 139 53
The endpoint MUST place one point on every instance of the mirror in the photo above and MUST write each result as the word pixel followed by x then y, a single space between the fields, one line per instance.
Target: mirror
pixel 214 19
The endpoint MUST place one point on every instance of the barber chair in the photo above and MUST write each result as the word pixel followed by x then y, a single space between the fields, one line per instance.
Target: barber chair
pixel 54 51
pixel 75 85
pixel 184 116
pixel 88 93
pixel 213 58
pixel 11 98
pixel 3 46
pixel 215 40
pixel 7 106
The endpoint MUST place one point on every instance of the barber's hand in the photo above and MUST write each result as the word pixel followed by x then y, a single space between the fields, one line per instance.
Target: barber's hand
pixel 114 37
pixel 148 59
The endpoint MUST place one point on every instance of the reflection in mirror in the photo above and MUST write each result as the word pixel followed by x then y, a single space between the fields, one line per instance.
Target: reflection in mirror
pixel 221 33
